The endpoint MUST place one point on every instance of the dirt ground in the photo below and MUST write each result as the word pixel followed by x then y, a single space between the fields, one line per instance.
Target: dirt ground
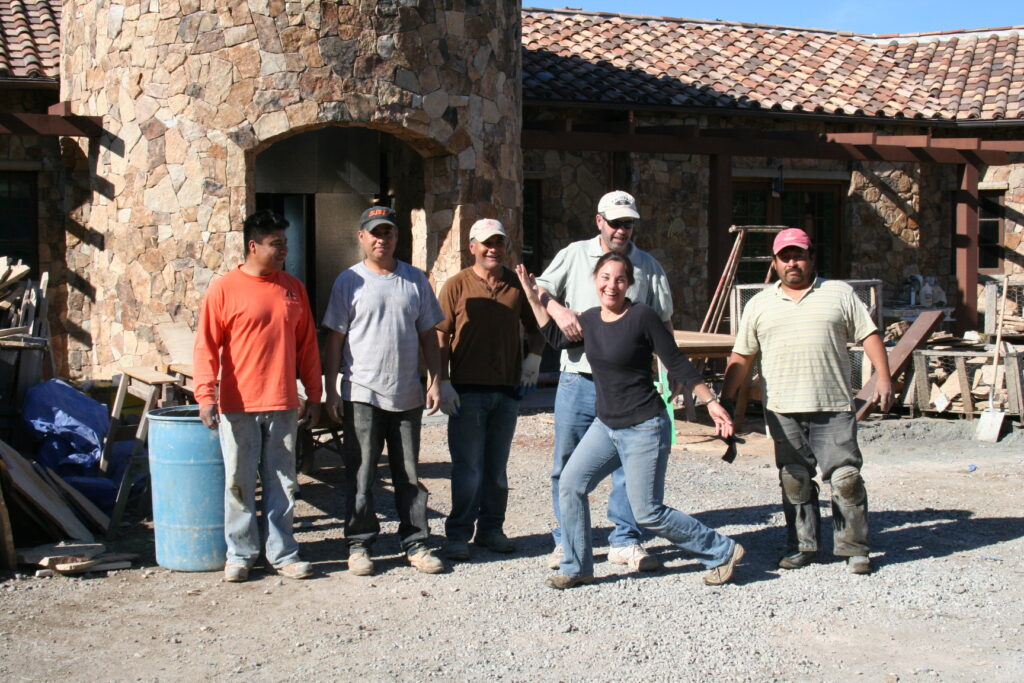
pixel 945 601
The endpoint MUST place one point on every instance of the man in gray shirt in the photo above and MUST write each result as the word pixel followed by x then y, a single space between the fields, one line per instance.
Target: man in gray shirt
pixel 568 287
pixel 381 313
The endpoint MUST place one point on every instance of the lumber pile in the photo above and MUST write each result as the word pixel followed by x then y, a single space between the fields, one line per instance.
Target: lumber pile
pixel 73 558
pixel 963 381
pixel 36 505
pixel 25 353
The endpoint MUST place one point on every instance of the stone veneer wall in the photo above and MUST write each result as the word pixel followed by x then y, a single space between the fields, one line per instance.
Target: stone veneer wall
pixel 191 90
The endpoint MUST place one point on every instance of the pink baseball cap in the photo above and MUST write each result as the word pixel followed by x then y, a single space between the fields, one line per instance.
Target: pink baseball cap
pixel 791 237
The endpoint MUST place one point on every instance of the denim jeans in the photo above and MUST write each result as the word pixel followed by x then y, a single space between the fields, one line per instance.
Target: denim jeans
pixel 575 412
pixel 642 451
pixel 479 438
pixel 259 445
pixel 367 429
pixel 826 440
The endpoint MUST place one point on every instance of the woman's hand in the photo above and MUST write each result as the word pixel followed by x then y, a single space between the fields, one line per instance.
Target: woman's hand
pixel 529 283
pixel 723 422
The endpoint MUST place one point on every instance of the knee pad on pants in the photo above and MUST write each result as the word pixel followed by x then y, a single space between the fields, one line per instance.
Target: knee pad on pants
pixel 797 484
pixel 848 486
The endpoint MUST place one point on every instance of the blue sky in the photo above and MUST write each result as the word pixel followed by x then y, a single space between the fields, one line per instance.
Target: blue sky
pixel 860 16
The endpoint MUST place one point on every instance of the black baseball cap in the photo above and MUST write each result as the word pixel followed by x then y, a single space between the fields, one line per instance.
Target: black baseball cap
pixel 378 215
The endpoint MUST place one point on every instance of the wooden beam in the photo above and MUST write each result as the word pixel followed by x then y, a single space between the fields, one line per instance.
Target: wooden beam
pixel 966 245
pixel 1003 145
pixel 764 146
pixel 48 125
pixel 852 138
pixel 899 358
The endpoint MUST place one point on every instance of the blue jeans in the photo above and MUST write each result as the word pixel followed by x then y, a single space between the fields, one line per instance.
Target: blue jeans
pixel 479 439
pixel 575 412
pixel 259 445
pixel 642 451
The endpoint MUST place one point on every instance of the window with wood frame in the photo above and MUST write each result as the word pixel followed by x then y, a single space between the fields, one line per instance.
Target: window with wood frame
pixel 19 218
pixel 990 231
pixel 813 206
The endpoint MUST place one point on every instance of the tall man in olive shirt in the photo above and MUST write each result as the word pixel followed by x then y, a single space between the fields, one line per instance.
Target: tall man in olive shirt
pixel 484 308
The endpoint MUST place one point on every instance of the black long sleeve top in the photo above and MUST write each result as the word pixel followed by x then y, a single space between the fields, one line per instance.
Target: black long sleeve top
pixel 621 355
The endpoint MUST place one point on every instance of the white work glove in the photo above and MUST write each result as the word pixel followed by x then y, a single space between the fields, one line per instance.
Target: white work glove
pixel 449 398
pixel 531 369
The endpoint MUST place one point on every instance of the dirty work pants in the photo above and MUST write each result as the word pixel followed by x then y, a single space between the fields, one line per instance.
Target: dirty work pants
pixel 826 440
pixel 367 430
pixel 575 411
pixel 259 446
pixel 641 451
pixel 479 439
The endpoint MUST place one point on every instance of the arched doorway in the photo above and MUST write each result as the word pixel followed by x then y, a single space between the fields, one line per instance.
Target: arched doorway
pixel 322 180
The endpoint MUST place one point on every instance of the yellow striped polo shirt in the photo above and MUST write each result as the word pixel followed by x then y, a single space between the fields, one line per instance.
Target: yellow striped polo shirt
pixel 803 345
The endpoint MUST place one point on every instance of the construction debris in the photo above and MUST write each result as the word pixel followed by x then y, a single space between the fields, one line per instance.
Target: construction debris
pixel 73 558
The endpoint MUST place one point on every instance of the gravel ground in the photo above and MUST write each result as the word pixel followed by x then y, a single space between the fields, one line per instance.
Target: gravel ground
pixel 945 602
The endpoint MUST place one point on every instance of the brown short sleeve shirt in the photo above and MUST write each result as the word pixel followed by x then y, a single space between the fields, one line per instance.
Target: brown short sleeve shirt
pixel 487 344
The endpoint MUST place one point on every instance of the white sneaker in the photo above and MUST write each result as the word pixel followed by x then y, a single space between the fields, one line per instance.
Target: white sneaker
pixel 634 556
pixel 555 558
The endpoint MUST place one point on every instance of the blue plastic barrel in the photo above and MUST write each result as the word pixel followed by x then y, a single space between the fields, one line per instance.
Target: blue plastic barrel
pixel 187 473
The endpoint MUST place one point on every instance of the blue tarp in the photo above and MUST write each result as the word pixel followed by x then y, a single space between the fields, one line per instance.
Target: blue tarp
pixel 69 427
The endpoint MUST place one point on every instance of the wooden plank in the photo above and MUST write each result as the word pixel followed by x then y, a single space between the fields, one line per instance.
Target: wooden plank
pixel 150 376
pixel 964 385
pixel 1014 383
pixel 94 565
pixel 52 553
pixel 42 495
pixel 899 358
pixel 921 388
pixel 49 126
pixel 92 514
pixel 8 555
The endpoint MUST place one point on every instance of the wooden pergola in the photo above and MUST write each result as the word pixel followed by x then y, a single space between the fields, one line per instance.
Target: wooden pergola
pixel 721 144
pixel 57 121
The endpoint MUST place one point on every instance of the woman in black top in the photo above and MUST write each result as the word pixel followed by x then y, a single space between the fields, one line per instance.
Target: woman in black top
pixel 632 428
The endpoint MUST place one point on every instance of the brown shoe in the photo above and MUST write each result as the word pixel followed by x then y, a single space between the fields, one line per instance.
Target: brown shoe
pixel 723 572
pixel 427 562
pixel 236 573
pixel 563 581
pixel 359 562
pixel 296 570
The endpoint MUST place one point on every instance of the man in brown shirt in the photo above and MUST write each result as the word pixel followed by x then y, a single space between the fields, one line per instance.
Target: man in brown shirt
pixel 480 336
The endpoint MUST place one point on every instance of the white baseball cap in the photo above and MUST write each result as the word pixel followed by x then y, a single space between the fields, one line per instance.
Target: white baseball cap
pixel 486 228
pixel 616 205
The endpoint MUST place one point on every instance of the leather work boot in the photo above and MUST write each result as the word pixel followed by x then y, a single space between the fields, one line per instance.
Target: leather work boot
pixel 723 572
pixel 359 562
pixel 236 573
pixel 426 561
pixel 797 559
pixel 858 564
pixel 496 541
pixel 562 581
pixel 634 556
pixel 296 570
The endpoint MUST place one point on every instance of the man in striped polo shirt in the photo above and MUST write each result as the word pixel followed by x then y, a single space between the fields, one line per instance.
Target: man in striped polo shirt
pixel 801 327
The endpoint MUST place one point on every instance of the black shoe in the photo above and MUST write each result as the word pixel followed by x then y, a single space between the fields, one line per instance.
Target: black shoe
pixel 800 558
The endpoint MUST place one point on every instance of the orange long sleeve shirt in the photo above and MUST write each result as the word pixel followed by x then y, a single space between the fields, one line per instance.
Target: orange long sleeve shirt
pixel 256 334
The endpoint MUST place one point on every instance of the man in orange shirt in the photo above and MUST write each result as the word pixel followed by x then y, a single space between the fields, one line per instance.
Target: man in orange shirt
pixel 256 334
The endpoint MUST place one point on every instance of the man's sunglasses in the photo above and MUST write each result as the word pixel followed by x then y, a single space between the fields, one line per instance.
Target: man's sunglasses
pixel 621 224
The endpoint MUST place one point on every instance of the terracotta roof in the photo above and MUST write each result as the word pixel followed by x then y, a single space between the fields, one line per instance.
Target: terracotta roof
pixel 30 39
pixel 571 56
